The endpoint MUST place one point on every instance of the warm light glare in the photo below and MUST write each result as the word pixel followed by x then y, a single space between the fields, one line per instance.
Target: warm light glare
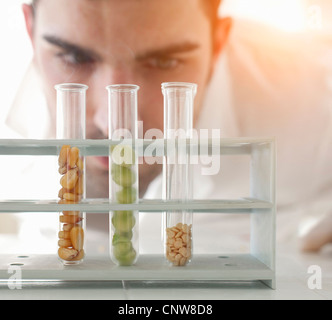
pixel 287 15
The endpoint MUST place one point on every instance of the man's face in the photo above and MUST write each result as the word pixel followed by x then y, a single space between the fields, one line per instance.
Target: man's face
pixel 103 42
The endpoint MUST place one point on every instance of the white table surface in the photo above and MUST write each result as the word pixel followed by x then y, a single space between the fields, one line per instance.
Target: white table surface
pixel 292 278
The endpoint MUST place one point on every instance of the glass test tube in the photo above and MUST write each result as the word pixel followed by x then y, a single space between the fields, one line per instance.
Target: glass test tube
pixel 71 113
pixel 177 176
pixel 123 172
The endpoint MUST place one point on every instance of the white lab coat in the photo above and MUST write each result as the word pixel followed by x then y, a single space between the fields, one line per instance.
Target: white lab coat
pixel 267 83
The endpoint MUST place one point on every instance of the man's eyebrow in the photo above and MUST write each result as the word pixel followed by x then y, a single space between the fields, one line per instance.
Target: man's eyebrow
pixel 171 49
pixel 70 47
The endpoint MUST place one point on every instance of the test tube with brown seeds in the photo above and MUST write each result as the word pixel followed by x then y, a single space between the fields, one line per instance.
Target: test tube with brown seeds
pixel 71 167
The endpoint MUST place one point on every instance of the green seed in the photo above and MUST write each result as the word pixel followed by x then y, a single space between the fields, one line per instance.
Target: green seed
pixel 124 253
pixel 126 195
pixel 122 248
pixel 123 221
pixel 121 237
pixel 128 259
pixel 123 176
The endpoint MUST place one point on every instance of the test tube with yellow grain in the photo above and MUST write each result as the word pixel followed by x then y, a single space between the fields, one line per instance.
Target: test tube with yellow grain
pixel 71 113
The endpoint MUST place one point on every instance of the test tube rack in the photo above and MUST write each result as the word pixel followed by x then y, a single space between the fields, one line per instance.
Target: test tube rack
pixel 258 265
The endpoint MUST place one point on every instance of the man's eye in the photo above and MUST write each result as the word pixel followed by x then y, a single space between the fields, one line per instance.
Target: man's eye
pixel 163 63
pixel 75 58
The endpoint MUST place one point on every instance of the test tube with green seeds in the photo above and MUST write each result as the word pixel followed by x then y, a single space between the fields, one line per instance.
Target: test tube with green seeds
pixel 123 173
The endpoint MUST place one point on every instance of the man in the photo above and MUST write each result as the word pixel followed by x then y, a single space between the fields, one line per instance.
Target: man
pixel 147 42
pixel 93 42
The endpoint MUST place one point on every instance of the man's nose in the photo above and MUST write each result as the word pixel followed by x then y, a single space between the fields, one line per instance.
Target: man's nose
pixel 100 94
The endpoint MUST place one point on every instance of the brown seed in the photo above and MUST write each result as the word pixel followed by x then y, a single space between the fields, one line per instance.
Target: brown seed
pixel 67 254
pixel 171 241
pixel 72 213
pixel 77 237
pixel 62 191
pixel 178 244
pixel 179 225
pixel 64 243
pixel 80 164
pixel 63 170
pixel 67 227
pixel 64 234
pixel 182 261
pixel 72 197
pixel 171 257
pixel 63 155
pixel 185 252
pixel 170 233
pixel 185 228
pixel 71 219
pixel 68 213
pixel 178 257
pixel 79 256
pixel 185 238
pixel 69 180
pixel 73 157
pixel 179 234
pixel 175 230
